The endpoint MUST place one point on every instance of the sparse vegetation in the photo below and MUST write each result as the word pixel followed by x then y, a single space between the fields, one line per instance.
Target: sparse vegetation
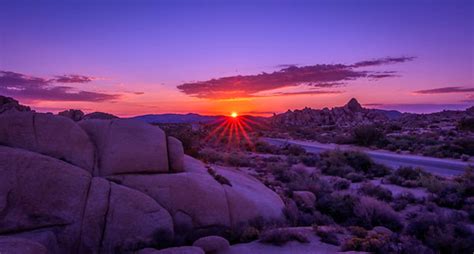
pixel 281 236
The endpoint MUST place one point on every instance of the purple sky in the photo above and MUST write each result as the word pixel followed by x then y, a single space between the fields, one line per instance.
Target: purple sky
pixel 137 57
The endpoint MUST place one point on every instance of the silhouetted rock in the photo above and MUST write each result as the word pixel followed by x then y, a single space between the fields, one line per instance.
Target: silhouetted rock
pixel 99 115
pixel 7 103
pixel 349 115
pixel 353 105
pixel 74 114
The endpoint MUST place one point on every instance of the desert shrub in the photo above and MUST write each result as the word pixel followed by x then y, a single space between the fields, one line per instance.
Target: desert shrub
pixel 375 191
pixel 281 236
pixel 321 219
pixel 296 150
pixel 367 135
pixel 298 216
pixel 381 243
pixel 450 196
pixel 406 176
pixel 319 187
pixel 334 163
pixel 466 124
pixel 340 183
pixel 264 147
pixel 237 160
pixel 327 235
pixel 370 212
pixel 357 231
pixel 309 159
pixel 355 177
pixel 281 171
pixel 444 234
pixel 402 200
pixel 250 230
pixel 343 163
pixel 375 243
pixel 453 194
pixel 338 205
pixel 210 155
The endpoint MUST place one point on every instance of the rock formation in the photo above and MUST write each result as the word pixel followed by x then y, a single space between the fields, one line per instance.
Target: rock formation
pixel 74 114
pixel 348 115
pixel 7 103
pixel 111 186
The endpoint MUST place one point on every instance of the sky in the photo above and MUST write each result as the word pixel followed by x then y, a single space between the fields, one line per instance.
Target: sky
pixel 252 57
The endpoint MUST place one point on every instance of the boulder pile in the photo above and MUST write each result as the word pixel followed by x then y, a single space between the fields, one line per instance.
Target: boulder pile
pixel 111 186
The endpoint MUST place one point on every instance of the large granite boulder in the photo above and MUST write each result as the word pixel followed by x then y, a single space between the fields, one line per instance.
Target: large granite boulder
pixel 58 137
pixel 112 186
pixel 206 202
pixel 12 245
pixel 40 192
pixel 88 214
pixel 127 146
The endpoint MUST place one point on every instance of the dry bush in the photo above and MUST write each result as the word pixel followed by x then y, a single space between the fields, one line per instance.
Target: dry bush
pixel 281 236
pixel 376 191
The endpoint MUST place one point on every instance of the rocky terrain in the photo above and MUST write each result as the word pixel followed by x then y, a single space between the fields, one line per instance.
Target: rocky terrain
pixel 77 183
pixel 442 134
pixel 112 186
pixel 349 115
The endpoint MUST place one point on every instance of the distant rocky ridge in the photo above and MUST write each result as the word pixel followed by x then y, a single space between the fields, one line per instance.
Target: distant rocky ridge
pixel 111 186
pixel 348 115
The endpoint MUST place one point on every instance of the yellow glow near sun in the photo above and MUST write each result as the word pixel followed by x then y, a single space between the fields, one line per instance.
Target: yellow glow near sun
pixel 234 114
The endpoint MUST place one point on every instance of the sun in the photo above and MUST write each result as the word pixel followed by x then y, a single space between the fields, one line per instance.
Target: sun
pixel 234 114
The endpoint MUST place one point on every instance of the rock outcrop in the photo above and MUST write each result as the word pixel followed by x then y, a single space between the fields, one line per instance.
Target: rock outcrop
pixel 111 186
pixel 348 115
pixel 73 114
pixel 7 104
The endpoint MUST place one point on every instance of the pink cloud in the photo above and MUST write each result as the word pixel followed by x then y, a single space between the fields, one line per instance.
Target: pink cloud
pixel 449 89
pixel 321 75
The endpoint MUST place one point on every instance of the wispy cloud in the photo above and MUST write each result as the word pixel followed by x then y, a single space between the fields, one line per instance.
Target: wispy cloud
pixel 314 92
pixel 72 78
pixel 449 89
pixel 321 75
pixel 383 61
pixel 35 88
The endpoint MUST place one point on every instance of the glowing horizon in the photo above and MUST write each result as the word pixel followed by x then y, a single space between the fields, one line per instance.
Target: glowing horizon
pixel 157 57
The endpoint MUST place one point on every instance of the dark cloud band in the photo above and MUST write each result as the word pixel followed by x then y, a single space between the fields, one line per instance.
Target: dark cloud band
pixel 321 75
pixel 34 88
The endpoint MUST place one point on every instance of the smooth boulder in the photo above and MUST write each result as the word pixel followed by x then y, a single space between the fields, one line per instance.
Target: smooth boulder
pixel 58 137
pixel 127 146
pixel 176 155
pixel 212 244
